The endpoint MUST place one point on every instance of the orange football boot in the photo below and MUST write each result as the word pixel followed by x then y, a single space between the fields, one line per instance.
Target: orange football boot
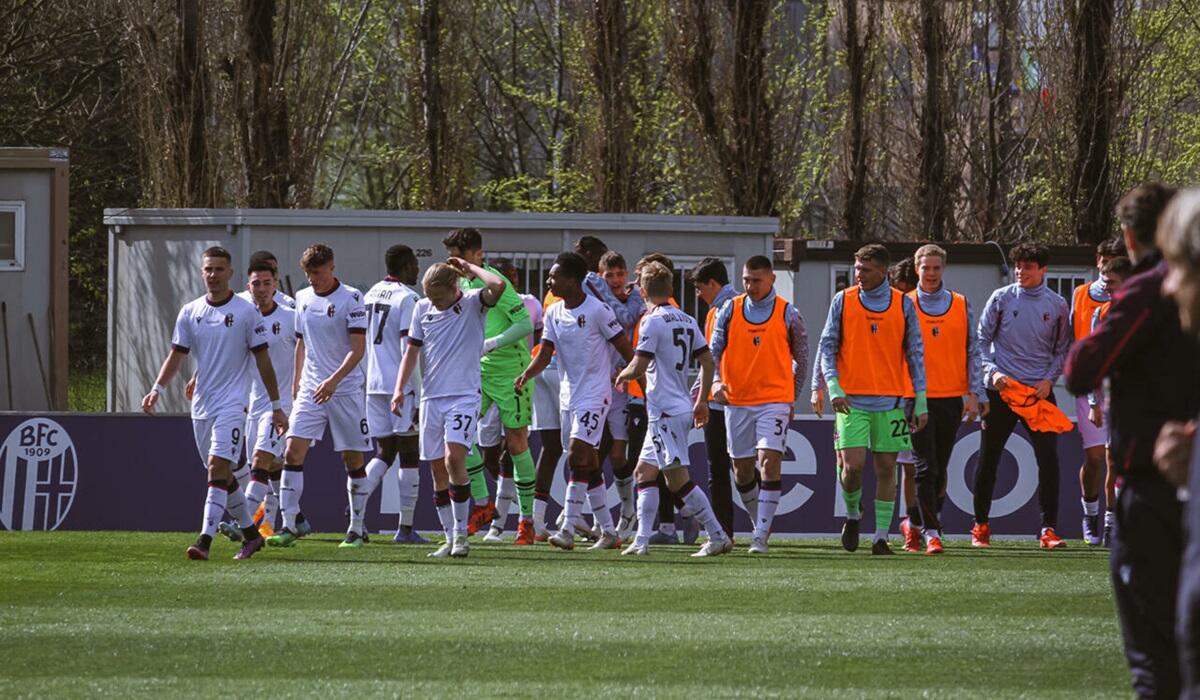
pixel 1050 539
pixel 981 535
pixel 525 533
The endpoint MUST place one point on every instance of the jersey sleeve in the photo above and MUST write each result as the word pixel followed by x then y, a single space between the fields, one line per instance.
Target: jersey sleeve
pixel 416 332
pixel 699 344
pixel 647 338
pixel 404 315
pixel 181 338
pixel 298 321
pixel 512 305
pixel 356 315
pixel 610 327
pixel 549 335
pixel 256 331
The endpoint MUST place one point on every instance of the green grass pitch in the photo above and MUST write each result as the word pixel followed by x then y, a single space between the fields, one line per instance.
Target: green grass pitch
pixel 124 614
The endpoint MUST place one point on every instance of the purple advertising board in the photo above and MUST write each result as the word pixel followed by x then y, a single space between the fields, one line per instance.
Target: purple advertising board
pixel 133 472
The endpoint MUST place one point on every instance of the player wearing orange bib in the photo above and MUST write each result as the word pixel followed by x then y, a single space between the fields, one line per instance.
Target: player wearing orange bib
pixel 761 351
pixel 870 333
pixel 954 385
pixel 1087 299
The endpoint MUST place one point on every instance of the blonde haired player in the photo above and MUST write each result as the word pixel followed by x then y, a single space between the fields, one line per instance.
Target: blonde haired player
pixel 668 340
pixel 447 336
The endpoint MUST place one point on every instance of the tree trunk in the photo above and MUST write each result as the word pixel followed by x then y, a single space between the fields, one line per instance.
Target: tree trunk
pixel 1090 192
pixel 609 64
pixel 753 114
pixel 932 191
pixel 269 169
pixel 190 105
pixel 1002 142
pixel 434 114
pixel 858 42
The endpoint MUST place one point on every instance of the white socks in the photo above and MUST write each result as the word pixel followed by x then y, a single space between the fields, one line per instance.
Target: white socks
pixel 506 496
pixel 598 500
pixel 357 493
pixel 625 493
pixel 214 506
pixel 290 488
pixel 410 484
pixel 647 509
pixel 573 508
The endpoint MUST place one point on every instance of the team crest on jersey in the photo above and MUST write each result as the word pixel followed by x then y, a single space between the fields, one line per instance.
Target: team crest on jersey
pixel 1046 317
pixel 330 310
pixel 874 327
pixel 229 320
pixel 39 473
pixel 275 328
pixel 582 320
pixel 458 308
pixel 757 340
pixel 936 331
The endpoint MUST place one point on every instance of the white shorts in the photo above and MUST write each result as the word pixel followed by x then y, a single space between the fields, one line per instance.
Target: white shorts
pixel 220 435
pixel 448 419
pixel 545 401
pixel 491 429
pixel 346 416
pixel 261 437
pixel 752 428
pixel 1092 436
pixel 382 423
pixel 586 424
pixel 905 457
pixel 618 416
pixel 666 442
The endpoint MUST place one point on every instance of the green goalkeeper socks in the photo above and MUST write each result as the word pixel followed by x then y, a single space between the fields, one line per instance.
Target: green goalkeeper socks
pixel 479 486
pixel 523 473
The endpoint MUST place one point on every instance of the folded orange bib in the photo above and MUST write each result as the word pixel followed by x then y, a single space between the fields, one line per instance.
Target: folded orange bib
pixel 1039 414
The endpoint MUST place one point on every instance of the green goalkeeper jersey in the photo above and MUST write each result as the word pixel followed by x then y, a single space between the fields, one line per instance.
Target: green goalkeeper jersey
pixel 510 360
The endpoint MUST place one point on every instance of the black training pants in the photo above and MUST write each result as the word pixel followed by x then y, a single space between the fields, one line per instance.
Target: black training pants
pixel 720 488
pixel 1189 586
pixel 932 446
pixel 1147 548
pixel 997 428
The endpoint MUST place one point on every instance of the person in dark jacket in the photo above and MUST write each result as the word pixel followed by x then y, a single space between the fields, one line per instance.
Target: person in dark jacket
pixel 1177 452
pixel 1154 373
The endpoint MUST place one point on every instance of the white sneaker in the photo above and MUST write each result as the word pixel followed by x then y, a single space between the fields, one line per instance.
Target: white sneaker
pixel 461 547
pixel 494 535
pixel 607 540
pixel 230 530
pixel 758 545
pixel 713 548
pixel 562 540
pixel 636 549
pixel 440 552
pixel 627 526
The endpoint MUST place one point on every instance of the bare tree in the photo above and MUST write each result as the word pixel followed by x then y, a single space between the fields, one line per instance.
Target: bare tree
pixel 859 39
pixel 935 198
pixel 1089 189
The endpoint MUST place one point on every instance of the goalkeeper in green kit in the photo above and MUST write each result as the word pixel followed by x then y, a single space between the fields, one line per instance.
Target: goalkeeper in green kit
pixel 505 356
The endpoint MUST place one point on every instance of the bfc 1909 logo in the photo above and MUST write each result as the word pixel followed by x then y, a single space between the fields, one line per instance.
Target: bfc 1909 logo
pixel 39 472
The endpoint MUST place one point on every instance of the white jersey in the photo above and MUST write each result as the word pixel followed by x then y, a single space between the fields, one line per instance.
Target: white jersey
pixel 534 307
pixel 389 307
pixel 451 343
pixel 324 322
pixel 670 338
pixel 279 298
pixel 221 339
pixel 581 336
pixel 280 325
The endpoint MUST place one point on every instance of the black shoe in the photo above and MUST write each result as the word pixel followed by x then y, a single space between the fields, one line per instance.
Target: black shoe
pixel 366 539
pixel 850 535
pixel 1106 538
pixel 881 547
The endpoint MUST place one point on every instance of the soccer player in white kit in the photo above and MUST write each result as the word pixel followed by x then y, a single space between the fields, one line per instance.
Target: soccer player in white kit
pixel 668 340
pixel 331 328
pixel 390 305
pixel 581 328
pixel 447 335
pixel 227 335
pixel 264 447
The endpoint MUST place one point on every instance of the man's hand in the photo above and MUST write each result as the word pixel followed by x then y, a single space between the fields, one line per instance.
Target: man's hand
pixel 460 266
pixel 279 418
pixel 148 402
pixel 817 401
pixel 1173 451
pixel 324 390
pixel 519 382
pixel 841 404
pixel 190 388
pixel 999 380
pixel 719 393
pixel 700 414
pixel 1043 388
pixel 917 423
pixel 397 403
pixel 971 408
pixel 488 346
pixel 1096 416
